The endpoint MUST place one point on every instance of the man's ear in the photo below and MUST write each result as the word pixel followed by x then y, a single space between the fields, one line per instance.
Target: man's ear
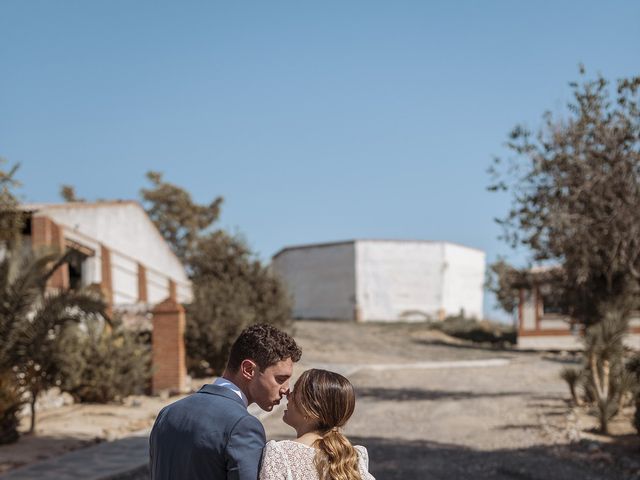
pixel 248 369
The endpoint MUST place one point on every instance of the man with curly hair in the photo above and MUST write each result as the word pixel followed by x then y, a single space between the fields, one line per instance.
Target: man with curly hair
pixel 210 435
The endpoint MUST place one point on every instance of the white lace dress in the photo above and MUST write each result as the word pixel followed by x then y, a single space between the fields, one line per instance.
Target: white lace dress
pixel 289 460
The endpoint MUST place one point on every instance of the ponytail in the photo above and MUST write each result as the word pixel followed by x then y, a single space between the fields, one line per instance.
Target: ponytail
pixel 336 458
pixel 328 399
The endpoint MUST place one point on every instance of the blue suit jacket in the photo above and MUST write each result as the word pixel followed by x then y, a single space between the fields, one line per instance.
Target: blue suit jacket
pixel 208 435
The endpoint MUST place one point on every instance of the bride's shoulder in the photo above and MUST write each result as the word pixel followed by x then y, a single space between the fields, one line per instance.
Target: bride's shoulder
pixel 361 450
pixel 279 445
pixel 272 446
pixel 363 462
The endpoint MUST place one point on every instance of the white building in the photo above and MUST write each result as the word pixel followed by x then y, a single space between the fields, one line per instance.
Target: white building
pixel 383 280
pixel 544 325
pixel 115 247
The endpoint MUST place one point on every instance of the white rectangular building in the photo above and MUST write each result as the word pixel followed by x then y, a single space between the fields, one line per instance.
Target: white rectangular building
pixel 383 280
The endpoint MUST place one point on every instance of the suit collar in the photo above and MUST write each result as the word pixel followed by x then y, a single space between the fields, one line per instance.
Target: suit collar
pixel 221 391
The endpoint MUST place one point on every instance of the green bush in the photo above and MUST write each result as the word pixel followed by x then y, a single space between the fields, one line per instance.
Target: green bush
pixel 103 363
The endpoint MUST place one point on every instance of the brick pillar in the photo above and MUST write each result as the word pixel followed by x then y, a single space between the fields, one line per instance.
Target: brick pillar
pixel 106 284
pixel 46 233
pixel 537 301
pixel 142 284
pixel 168 351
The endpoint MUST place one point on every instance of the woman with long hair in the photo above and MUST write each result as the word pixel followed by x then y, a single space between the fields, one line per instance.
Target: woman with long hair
pixel 319 406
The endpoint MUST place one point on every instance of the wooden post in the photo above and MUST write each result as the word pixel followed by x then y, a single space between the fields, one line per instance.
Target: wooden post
pixel 142 284
pixel 106 284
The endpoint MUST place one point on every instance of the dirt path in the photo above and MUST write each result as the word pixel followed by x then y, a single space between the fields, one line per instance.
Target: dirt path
pixel 503 420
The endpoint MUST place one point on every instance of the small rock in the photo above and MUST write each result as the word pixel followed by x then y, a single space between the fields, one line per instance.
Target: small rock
pixel 593 447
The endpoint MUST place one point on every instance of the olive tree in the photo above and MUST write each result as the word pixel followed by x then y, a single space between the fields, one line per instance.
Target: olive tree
pixel 575 203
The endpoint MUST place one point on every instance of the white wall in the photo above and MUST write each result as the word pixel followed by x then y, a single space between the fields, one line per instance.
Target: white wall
pixel 529 310
pixel 320 280
pixel 126 229
pixel 550 342
pixel 124 278
pixel 399 280
pixel 157 287
pixel 463 280
pixel 391 280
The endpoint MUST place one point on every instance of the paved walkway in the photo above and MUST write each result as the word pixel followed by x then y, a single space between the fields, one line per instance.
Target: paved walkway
pixel 112 460
pixel 99 462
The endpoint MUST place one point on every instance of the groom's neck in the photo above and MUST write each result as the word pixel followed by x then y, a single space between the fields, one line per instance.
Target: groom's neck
pixel 237 379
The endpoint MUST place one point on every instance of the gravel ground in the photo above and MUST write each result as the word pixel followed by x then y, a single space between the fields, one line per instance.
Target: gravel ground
pixel 497 422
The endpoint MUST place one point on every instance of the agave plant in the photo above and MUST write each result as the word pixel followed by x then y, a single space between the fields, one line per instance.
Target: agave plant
pixel 572 376
pixel 604 358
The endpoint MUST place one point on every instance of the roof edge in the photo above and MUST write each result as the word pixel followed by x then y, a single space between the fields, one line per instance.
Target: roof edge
pixel 356 240
pixel 35 206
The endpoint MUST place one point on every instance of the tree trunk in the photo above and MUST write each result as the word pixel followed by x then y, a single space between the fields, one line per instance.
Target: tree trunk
pixel 32 404
pixel 636 417
pixel 601 391
pixel 604 418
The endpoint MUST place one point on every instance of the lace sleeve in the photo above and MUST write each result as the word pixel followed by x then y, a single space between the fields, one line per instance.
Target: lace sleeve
pixel 274 463
pixel 363 463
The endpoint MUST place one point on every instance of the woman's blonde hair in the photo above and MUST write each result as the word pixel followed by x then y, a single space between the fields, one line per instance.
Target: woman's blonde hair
pixel 329 398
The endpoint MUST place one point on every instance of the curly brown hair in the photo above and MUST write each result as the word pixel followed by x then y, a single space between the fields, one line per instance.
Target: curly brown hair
pixel 264 344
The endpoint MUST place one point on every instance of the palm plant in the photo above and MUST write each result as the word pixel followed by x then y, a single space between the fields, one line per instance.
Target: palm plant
pixel 31 320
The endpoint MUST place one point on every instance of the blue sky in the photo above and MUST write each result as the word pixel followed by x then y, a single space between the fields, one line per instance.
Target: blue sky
pixel 316 121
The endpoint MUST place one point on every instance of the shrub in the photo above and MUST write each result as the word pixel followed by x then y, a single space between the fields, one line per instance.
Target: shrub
pixel 103 363
pixel 477 331
pixel 572 376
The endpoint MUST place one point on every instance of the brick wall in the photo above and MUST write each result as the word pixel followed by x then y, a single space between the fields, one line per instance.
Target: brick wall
pixel 46 233
pixel 168 350
pixel 106 284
